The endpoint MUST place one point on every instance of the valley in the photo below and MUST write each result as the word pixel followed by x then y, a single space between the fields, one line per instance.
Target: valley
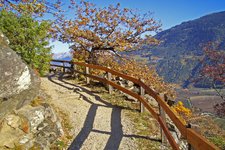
pixel 199 99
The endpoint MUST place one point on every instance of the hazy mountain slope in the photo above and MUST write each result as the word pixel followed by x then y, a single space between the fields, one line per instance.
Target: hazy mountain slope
pixel 62 56
pixel 177 57
pixel 188 37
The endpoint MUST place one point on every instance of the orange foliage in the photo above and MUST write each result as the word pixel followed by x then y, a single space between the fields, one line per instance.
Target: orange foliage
pixel 98 34
pixel 142 71
pixel 183 112
pixel 110 28
pixel 133 68
pixel 32 7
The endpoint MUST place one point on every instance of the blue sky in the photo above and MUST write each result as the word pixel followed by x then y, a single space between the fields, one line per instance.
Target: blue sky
pixel 169 12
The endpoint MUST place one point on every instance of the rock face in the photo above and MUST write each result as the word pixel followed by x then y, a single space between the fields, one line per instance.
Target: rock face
pixel 30 127
pixel 18 84
pixel 26 120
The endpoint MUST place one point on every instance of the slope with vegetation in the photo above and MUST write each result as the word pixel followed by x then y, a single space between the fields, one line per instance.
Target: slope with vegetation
pixel 178 57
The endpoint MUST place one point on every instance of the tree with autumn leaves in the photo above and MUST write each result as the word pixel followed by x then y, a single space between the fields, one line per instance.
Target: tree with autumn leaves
pixel 99 35
pixel 111 28
pixel 214 70
pixel 214 66
pixel 35 8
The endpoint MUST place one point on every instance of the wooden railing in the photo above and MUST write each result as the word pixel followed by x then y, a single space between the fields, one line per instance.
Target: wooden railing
pixel 196 141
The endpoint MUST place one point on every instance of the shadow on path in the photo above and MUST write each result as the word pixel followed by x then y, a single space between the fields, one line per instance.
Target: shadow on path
pixel 116 133
pixel 86 130
pixel 116 130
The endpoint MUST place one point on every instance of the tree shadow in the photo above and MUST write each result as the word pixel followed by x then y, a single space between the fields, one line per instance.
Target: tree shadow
pixel 86 130
pixel 116 130
pixel 116 134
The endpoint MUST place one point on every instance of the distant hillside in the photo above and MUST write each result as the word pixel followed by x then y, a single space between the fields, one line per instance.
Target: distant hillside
pixel 62 56
pixel 177 57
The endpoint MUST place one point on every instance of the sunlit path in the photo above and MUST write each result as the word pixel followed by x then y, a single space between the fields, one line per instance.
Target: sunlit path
pixel 96 124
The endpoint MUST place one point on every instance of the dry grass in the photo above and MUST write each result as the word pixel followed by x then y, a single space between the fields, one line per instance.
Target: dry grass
pixel 37 101
pixel 63 141
pixel 145 126
pixel 211 130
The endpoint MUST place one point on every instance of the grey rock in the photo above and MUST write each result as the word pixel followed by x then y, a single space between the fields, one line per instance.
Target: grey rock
pixel 49 113
pixel 13 79
pixel 183 144
pixel 48 134
pixel 174 135
pixel 119 79
pixel 121 83
pixel 20 123
pixel 136 89
pixel 34 115
pixel 151 100
pixel 18 84
pixel 44 128
pixel 128 97
pixel 26 138
pixel 9 135
pixel 13 121
pixel 59 127
pixel 129 83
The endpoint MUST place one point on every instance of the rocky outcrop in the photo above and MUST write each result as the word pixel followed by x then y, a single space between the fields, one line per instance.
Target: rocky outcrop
pixel 25 121
pixel 18 84
pixel 30 127
pixel 177 136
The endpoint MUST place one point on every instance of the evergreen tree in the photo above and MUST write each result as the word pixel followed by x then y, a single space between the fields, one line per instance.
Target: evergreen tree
pixel 29 38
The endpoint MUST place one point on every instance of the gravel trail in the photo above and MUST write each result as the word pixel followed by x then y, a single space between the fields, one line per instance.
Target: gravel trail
pixel 96 124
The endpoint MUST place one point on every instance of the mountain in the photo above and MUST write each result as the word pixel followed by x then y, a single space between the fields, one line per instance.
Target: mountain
pixel 177 57
pixel 62 56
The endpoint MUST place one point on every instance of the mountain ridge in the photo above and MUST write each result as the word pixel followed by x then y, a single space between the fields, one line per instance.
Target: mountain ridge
pixel 62 56
pixel 177 58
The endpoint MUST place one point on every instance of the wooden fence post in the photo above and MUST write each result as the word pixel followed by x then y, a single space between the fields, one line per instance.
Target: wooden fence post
pixel 74 71
pixel 189 145
pixel 142 93
pixel 72 68
pixel 163 116
pixel 87 72
pixel 109 76
pixel 64 69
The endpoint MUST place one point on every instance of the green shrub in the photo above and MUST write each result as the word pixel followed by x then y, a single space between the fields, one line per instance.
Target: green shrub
pixel 218 141
pixel 29 38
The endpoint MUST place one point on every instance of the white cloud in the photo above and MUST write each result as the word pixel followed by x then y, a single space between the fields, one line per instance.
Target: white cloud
pixel 59 47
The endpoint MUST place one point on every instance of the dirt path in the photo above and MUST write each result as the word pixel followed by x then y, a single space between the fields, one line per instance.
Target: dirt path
pixel 96 123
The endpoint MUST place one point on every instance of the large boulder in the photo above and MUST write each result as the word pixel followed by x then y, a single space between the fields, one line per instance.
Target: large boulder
pixel 27 121
pixel 18 84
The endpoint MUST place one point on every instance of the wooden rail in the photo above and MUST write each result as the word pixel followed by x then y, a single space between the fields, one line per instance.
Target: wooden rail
pixel 63 62
pixel 197 141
